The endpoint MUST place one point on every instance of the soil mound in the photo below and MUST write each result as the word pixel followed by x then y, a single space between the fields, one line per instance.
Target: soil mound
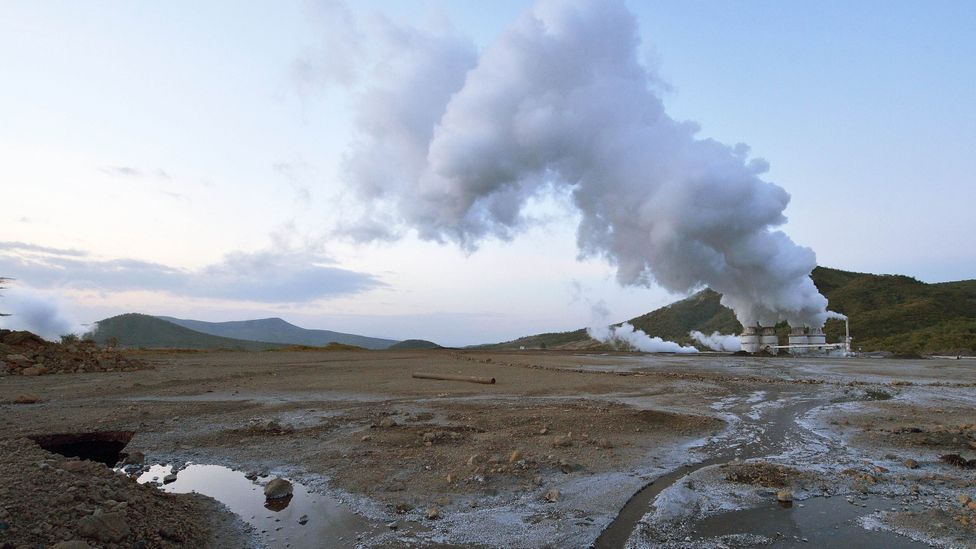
pixel 27 354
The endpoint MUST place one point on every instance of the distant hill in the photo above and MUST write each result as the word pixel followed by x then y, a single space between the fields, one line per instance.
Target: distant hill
pixel 410 344
pixel 276 330
pixel 887 312
pixel 144 331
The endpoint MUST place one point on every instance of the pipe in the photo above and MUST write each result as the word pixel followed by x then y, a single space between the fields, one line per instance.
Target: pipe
pixel 454 377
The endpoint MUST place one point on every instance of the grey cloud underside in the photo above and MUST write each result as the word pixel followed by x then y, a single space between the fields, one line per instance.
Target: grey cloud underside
pixel 454 144
pixel 267 276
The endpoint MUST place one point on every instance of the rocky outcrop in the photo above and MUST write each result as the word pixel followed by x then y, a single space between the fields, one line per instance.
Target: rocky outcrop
pixel 26 354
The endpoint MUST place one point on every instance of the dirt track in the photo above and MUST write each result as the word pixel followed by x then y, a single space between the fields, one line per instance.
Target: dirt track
pixel 548 455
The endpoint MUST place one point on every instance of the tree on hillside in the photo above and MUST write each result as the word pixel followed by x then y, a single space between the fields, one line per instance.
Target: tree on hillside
pixel 4 280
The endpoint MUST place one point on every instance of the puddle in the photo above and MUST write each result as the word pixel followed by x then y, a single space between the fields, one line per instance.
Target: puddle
pixel 101 446
pixel 327 522
pixel 820 522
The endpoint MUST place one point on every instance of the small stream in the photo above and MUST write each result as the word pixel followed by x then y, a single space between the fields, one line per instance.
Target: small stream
pixel 764 431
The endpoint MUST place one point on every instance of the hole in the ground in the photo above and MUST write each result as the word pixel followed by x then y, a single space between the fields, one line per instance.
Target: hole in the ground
pixel 101 446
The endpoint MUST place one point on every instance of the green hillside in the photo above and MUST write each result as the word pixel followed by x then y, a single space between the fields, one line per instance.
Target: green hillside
pixel 144 331
pixel 887 312
pixel 412 344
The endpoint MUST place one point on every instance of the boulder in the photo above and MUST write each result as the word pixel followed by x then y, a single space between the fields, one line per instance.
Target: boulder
pixel 27 399
pixel 552 496
pixel 104 527
pixel 34 371
pixel 277 488
pixel 784 496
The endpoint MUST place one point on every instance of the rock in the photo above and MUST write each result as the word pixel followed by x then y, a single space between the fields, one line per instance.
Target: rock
pixel 366 438
pixel 544 431
pixel 963 499
pixel 604 443
pixel 433 513
pixel 537 480
pixel 251 475
pixel 392 525
pixel 429 437
pixel 450 478
pixel 388 422
pixel 74 466
pixel 516 455
pixel 33 371
pixel 104 527
pixel 73 544
pixel 134 458
pixel 169 478
pixel 784 496
pixel 475 459
pixel 27 399
pixel 303 520
pixel 911 463
pixel 277 488
pixel 552 496
pixel 18 361
pixel 562 441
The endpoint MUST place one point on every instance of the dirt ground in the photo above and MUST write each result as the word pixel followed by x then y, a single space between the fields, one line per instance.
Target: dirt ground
pixel 547 456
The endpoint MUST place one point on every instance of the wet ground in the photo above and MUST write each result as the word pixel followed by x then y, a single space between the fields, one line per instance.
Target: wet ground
pixel 553 454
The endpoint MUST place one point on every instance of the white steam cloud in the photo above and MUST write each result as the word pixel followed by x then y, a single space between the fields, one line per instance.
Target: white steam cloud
pixel 39 312
pixel 454 143
pixel 632 337
pixel 717 341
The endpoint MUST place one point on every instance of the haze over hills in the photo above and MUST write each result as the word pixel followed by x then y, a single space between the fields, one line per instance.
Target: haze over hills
pixel 276 330
pixel 145 331
pixel 887 312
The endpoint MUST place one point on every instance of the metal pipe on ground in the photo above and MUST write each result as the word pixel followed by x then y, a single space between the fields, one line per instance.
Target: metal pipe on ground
pixel 454 377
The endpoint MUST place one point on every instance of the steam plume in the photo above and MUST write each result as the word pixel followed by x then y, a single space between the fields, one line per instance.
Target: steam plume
pixel 37 312
pixel 627 334
pixel 455 144
pixel 717 341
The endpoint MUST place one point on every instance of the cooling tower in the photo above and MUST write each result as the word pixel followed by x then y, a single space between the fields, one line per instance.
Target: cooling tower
pixel 750 339
pixel 816 337
pixel 769 340
pixel 798 336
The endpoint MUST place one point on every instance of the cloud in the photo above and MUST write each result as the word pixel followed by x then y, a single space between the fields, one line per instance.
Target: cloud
pixel 278 275
pixel 125 171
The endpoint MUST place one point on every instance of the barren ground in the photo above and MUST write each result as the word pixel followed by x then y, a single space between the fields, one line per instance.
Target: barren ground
pixel 547 456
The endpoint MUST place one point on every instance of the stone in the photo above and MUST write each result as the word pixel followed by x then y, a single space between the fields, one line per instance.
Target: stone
pixel 604 443
pixel 388 422
pixel 475 459
pixel 552 496
pixel 277 488
pixel 516 455
pixel 963 499
pixel 134 458
pixel 562 441
pixel 34 371
pixel 73 544
pixel 27 399
pixel 104 527
pixel 784 496
pixel 18 361
pixel 169 478
pixel 911 463
pixel 433 513
pixel 74 466
pixel 303 520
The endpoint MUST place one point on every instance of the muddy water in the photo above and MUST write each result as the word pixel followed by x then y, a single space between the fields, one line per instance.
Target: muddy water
pixel 827 521
pixel 307 520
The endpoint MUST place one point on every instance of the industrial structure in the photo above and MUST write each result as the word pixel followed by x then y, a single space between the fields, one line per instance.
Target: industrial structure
pixel 803 340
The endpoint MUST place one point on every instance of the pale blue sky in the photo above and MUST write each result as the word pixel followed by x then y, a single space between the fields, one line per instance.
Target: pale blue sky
pixel 161 137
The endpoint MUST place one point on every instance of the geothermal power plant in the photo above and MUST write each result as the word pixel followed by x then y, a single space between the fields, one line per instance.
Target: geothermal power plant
pixel 803 340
